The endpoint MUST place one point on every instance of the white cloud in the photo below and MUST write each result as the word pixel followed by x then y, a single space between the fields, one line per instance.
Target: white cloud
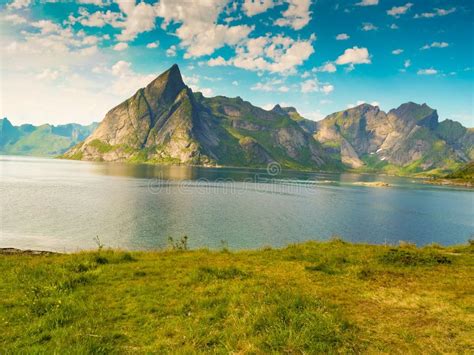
pixel 274 85
pixel 46 26
pixel 342 36
pixel 394 26
pixel 198 31
pixel 297 15
pixel 313 85
pixel 255 7
pixel 430 71
pixel 369 27
pixel 407 63
pixel 327 68
pixel 368 3
pixel 435 45
pixel 327 88
pixel 139 18
pixel 15 19
pixel 400 10
pixel 121 46
pixel 18 4
pixel 310 85
pixel 171 51
pixel 276 54
pixel 152 45
pixel 397 51
pixel 353 56
pixel 235 83
pixel 94 2
pixel 48 74
pixel 98 18
pixel 435 13
pixel 218 61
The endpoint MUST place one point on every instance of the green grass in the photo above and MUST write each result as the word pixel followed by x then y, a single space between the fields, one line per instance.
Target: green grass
pixel 332 297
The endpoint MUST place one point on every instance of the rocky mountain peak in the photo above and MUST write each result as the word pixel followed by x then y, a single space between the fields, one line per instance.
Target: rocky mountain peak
pixel 278 110
pixel 422 115
pixel 167 85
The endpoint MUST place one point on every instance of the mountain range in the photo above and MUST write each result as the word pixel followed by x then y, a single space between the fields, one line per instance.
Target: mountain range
pixel 44 140
pixel 166 122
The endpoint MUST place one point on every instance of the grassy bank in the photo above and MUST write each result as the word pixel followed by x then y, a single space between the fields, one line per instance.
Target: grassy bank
pixel 312 297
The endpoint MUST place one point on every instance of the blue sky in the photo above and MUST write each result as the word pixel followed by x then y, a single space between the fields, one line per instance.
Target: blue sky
pixel 73 61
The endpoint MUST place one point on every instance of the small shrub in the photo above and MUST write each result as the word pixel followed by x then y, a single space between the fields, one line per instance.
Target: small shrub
pixel 322 267
pixel 127 257
pixel 404 257
pixel 206 273
pixel 366 273
pixel 181 244
pixel 101 260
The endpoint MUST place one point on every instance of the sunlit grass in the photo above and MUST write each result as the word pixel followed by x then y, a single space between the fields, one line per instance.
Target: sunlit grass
pixel 307 298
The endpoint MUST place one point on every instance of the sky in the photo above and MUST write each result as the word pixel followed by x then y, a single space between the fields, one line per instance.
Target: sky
pixel 72 61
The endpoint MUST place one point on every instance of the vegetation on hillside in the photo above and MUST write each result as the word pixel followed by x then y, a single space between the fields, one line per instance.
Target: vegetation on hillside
pixel 308 298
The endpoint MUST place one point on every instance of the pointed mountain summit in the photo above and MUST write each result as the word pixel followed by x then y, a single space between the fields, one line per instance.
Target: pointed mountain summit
pixel 166 122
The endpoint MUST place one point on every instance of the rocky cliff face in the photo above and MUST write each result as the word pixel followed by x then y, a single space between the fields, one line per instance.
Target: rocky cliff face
pixel 409 137
pixel 167 122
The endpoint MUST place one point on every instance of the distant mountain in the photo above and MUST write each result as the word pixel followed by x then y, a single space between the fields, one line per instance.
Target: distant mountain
pixel 408 139
pixel 167 122
pixel 44 140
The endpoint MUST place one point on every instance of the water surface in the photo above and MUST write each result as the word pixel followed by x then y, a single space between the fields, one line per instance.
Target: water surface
pixel 62 205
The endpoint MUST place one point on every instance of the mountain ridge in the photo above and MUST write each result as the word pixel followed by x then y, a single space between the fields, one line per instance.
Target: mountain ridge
pixel 166 122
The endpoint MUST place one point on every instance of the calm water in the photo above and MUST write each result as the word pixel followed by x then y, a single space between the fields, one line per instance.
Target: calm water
pixel 63 205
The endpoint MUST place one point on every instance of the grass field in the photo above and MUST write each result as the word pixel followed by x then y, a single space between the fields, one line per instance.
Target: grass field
pixel 307 298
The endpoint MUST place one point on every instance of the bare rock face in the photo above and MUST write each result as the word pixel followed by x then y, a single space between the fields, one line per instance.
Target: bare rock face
pixel 166 122
pixel 409 136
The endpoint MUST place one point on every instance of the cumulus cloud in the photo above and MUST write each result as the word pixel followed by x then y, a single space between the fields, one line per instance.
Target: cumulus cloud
pixel 342 37
pixel 435 13
pixel 152 45
pixel 274 85
pixel 429 71
pixel 397 11
pixel 171 51
pixel 397 51
pixel 327 68
pixel 198 31
pixel 255 7
pixel 353 56
pixel 297 15
pixel 435 45
pixel 19 4
pixel 121 46
pixel 218 61
pixel 98 18
pixel 368 3
pixel 139 18
pixel 369 27
pixel 313 85
pixel 278 54
pixel 14 19
pixel 407 63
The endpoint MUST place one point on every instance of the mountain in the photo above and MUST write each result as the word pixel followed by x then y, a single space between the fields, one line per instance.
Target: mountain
pixel 44 140
pixel 167 122
pixel 408 139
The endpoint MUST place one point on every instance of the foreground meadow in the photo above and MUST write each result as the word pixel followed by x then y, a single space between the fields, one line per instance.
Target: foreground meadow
pixel 306 298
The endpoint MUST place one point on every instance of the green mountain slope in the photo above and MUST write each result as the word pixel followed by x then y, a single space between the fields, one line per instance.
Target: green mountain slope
pixel 167 122
pixel 405 140
pixel 44 140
